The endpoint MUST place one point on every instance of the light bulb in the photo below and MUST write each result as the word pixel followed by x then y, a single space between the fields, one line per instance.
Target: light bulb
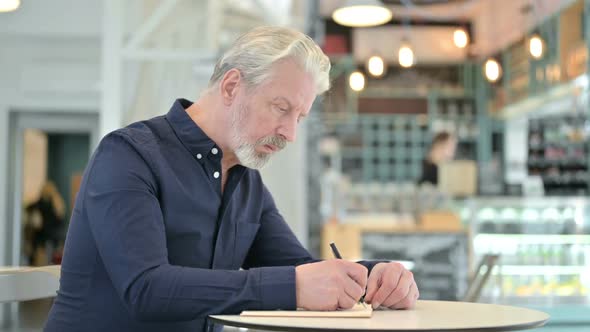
pixel 9 5
pixel 362 14
pixel 356 81
pixel 406 56
pixel 536 46
pixel 376 66
pixel 460 38
pixel 492 70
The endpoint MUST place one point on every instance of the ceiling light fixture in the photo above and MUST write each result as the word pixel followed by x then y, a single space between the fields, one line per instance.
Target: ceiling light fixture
pixel 536 46
pixel 362 13
pixel 405 55
pixel 492 70
pixel 376 66
pixel 460 38
pixel 356 80
pixel 9 5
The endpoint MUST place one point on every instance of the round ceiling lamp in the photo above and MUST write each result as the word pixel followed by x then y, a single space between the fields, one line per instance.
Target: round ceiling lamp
pixel 460 38
pixel 376 66
pixel 356 80
pixel 536 46
pixel 362 13
pixel 9 5
pixel 492 70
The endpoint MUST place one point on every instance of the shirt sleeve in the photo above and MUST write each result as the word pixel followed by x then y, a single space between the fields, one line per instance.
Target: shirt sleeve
pixel 276 245
pixel 126 223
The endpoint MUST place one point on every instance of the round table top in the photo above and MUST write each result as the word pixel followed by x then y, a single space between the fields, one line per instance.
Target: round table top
pixel 426 316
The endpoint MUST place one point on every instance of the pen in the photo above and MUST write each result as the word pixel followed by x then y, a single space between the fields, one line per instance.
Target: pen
pixel 335 250
pixel 338 256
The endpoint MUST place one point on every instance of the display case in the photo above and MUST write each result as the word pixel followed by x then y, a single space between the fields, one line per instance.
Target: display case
pixel 544 249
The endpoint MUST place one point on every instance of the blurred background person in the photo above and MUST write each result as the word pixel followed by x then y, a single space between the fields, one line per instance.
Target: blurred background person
pixel 442 149
pixel 45 221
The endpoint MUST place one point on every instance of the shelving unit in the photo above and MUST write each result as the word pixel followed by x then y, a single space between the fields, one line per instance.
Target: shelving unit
pixel 391 147
pixel 457 115
pixel 560 153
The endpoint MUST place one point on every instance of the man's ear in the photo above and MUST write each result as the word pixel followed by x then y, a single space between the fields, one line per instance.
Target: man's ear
pixel 229 86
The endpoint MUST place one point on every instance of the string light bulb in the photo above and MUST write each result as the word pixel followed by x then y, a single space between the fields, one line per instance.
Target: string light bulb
pixel 356 80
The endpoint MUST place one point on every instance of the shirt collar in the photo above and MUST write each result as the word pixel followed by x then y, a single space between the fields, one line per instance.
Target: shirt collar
pixel 190 134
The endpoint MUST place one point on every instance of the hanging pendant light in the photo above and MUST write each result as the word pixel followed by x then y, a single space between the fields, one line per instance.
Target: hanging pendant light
pixel 405 55
pixel 362 13
pixel 492 70
pixel 376 66
pixel 356 80
pixel 9 5
pixel 460 38
pixel 536 46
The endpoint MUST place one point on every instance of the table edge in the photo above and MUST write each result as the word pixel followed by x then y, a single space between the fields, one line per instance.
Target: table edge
pixel 518 327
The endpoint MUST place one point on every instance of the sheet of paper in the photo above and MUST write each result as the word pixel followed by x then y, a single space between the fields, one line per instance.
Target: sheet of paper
pixel 358 311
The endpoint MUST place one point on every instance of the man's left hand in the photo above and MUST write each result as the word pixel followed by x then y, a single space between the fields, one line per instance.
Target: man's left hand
pixel 391 285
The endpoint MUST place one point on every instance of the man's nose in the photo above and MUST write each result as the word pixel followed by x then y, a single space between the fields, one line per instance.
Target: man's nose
pixel 288 130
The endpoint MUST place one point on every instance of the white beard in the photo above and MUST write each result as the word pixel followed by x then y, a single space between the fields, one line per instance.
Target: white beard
pixel 246 152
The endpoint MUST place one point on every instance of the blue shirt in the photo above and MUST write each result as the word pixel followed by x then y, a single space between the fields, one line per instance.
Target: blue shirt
pixel 154 244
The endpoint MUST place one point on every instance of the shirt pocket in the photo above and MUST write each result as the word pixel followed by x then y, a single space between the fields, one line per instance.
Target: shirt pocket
pixel 245 235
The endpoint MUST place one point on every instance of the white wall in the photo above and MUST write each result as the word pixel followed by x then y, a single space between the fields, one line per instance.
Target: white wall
pixel 78 18
pixel 42 74
pixel 286 179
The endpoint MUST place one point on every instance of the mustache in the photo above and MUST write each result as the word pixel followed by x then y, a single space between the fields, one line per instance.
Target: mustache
pixel 277 141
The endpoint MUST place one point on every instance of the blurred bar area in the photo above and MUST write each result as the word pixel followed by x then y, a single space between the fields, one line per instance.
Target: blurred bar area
pixel 493 100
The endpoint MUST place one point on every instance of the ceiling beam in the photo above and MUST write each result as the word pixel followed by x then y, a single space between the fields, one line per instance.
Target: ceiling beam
pixel 148 27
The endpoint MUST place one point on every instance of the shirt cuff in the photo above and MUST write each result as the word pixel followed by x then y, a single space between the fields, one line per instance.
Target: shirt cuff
pixel 277 288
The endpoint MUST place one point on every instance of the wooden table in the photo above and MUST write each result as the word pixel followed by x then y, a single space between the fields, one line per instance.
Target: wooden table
pixel 427 316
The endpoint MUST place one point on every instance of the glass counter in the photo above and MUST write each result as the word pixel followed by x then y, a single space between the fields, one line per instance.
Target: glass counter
pixel 544 248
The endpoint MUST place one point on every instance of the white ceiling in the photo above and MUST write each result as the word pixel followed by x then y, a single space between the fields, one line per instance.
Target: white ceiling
pixel 58 18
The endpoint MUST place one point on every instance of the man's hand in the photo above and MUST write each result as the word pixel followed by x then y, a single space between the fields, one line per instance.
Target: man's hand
pixel 391 285
pixel 330 284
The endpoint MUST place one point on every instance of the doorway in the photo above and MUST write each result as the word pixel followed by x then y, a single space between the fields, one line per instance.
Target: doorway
pixel 45 146
pixel 42 146
pixel 53 164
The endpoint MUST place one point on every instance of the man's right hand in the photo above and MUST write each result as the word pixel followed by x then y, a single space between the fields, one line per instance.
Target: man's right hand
pixel 330 284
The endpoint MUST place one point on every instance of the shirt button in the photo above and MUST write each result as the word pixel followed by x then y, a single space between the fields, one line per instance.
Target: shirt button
pixel 199 156
pixel 214 150
pixel 216 175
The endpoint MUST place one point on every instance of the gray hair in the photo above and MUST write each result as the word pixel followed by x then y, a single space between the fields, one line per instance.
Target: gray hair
pixel 254 53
